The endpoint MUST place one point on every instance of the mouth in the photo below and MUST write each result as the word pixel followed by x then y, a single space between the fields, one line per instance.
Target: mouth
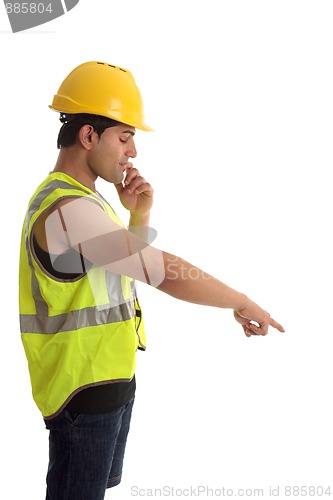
pixel 124 163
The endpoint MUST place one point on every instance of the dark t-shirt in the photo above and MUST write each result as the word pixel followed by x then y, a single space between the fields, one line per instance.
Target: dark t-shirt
pixel 99 398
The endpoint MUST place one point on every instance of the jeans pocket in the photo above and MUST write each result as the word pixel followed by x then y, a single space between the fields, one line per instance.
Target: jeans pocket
pixel 72 417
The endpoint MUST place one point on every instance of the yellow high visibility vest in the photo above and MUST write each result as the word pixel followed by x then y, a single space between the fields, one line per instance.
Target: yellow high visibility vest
pixel 75 335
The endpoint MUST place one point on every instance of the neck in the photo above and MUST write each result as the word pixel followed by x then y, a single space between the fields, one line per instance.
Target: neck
pixel 72 162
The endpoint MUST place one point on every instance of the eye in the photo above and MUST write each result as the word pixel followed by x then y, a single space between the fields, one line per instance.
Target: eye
pixel 123 140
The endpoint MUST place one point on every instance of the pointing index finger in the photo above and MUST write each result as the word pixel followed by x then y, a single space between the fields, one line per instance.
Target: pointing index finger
pixel 276 325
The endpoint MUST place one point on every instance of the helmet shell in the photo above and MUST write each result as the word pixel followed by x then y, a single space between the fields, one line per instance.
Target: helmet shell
pixel 102 89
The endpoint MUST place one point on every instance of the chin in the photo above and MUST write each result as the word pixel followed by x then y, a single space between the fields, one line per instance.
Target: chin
pixel 120 178
pixel 113 179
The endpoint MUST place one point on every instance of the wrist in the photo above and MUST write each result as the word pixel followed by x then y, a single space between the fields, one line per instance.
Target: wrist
pixel 241 301
pixel 139 225
pixel 139 219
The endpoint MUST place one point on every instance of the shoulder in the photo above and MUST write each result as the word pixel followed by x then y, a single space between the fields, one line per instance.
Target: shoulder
pixel 65 211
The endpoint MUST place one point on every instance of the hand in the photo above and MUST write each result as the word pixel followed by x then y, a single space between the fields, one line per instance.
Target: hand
pixel 250 313
pixel 136 195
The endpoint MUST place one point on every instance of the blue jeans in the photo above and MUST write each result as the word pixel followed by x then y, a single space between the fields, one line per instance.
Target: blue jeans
pixel 86 453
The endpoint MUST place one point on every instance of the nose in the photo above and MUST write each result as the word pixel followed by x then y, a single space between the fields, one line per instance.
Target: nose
pixel 131 151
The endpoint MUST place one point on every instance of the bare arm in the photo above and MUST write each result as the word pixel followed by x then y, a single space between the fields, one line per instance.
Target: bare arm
pixel 187 282
pixel 84 226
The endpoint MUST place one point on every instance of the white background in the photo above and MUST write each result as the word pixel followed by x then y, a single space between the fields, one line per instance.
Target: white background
pixel 240 96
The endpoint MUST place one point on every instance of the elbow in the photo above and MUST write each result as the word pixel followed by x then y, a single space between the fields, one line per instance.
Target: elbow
pixel 153 266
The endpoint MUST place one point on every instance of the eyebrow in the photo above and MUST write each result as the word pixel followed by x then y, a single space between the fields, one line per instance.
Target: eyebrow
pixel 128 132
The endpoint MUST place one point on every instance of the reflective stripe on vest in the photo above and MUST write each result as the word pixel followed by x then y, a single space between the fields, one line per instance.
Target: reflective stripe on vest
pixel 80 332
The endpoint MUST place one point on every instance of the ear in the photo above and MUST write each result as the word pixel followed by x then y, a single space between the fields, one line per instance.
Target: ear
pixel 87 136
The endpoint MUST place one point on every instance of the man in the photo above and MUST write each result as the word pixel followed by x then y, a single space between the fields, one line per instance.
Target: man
pixel 80 317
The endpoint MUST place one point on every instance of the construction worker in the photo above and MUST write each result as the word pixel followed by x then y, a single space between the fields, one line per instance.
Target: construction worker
pixel 80 318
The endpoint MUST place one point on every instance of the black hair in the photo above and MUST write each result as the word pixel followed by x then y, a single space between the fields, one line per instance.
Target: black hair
pixel 73 123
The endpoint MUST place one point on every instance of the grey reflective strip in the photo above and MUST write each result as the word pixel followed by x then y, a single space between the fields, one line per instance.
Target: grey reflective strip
pixel 75 320
pixel 45 192
pixel 114 288
pixel 40 304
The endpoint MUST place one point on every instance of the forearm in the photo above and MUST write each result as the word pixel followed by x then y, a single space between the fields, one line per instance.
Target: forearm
pixel 187 282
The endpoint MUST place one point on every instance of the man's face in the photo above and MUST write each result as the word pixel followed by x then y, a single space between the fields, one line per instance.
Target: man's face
pixel 112 151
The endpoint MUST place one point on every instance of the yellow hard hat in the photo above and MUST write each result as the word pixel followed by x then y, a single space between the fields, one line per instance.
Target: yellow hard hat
pixel 101 89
